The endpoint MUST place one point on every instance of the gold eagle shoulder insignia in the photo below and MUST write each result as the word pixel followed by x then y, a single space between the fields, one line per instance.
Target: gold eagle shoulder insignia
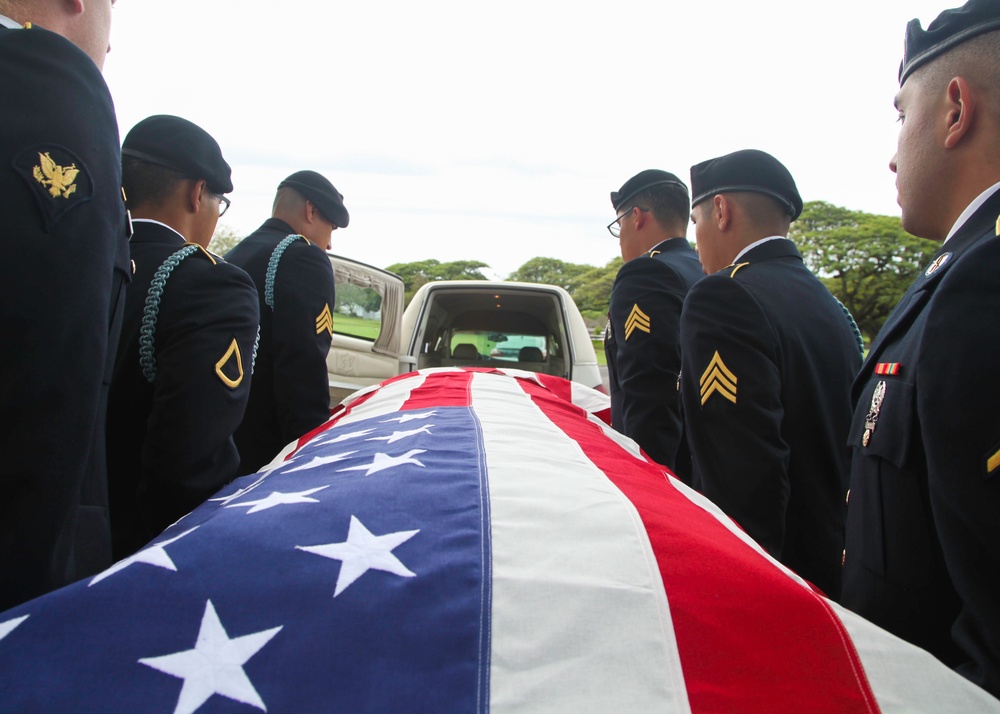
pixel 717 378
pixel 59 180
pixel 229 368
pixel 324 321
pixel 637 320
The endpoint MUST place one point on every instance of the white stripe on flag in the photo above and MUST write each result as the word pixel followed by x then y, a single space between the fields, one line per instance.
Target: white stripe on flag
pixel 592 596
pixel 901 674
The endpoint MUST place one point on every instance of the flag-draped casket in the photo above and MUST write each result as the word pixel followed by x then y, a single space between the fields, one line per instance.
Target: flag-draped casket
pixel 459 541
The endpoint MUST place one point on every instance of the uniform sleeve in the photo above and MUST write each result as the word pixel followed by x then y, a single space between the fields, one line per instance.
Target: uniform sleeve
pixel 645 317
pixel 731 398
pixel 205 340
pixel 303 324
pixel 956 390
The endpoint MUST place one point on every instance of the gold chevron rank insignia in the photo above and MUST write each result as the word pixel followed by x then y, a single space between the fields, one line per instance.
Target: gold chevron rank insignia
pixel 637 320
pixel 324 321
pixel 718 378
pixel 229 369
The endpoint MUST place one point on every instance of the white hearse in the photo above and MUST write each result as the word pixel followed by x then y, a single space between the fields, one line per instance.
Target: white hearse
pixel 451 323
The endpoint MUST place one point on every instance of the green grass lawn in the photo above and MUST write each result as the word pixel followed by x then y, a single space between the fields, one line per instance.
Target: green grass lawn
pixel 599 349
pixel 356 326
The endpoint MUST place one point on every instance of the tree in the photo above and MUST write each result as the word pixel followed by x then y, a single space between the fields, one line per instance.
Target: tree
pixel 867 261
pixel 593 291
pixel 550 271
pixel 425 271
pixel 224 239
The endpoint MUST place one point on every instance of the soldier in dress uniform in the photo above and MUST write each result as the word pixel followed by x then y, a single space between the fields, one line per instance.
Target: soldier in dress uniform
pixel 286 259
pixel 182 375
pixel 62 280
pixel 768 359
pixel 923 520
pixel 642 340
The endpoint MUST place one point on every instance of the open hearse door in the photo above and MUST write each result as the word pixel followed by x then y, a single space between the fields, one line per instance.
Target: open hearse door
pixel 367 325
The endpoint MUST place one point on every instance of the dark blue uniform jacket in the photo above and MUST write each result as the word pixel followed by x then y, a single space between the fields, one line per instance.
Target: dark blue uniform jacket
pixel 62 280
pixel 170 441
pixel 642 346
pixel 768 360
pixel 923 522
pixel 291 393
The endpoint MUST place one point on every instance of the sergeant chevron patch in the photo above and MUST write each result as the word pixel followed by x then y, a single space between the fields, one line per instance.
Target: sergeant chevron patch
pixel 637 320
pixel 324 321
pixel 229 369
pixel 718 378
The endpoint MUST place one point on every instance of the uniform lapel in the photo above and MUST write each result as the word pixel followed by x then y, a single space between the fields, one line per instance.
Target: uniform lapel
pixel 979 226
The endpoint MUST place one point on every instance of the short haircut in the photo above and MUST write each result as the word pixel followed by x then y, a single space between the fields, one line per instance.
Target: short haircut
pixel 977 60
pixel 669 203
pixel 146 183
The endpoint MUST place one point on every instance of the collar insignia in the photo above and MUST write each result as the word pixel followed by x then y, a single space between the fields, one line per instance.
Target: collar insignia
pixel 57 178
pixel 229 369
pixel 736 267
pixel 717 378
pixel 937 263
pixel 324 321
pixel 637 320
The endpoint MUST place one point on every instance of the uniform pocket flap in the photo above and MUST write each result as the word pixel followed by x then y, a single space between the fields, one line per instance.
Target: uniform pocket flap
pixel 883 423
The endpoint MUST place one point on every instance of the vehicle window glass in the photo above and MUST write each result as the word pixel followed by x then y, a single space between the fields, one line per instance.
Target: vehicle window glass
pixel 358 312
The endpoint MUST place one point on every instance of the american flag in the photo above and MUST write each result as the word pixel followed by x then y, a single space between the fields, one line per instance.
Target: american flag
pixel 459 540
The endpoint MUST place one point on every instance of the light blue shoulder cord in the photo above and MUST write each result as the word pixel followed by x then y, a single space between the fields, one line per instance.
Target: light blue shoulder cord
pixel 854 326
pixel 272 268
pixel 147 359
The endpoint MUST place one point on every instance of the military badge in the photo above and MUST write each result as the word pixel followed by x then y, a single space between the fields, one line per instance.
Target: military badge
pixel 937 263
pixel 637 320
pixel 324 321
pixel 871 421
pixel 57 179
pixel 717 378
pixel 229 368
pixel 890 368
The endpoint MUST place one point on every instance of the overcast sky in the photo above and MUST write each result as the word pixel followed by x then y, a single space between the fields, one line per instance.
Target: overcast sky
pixel 495 131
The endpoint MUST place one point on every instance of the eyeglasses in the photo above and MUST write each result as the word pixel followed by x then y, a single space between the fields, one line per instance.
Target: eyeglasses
pixel 223 204
pixel 615 227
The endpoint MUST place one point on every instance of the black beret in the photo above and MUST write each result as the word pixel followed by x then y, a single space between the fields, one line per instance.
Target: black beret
pixel 642 181
pixel 323 195
pixel 182 146
pixel 749 171
pixel 950 29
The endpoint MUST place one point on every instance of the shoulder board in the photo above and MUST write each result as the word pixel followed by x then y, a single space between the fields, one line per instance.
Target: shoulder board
pixel 147 331
pixel 997 231
pixel 272 266
pixel 652 252
pixel 736 268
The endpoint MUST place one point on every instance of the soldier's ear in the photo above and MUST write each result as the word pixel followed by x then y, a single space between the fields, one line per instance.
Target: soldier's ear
pixel 195 194
pixel 961 104
pixel 722 211
pixel 74 6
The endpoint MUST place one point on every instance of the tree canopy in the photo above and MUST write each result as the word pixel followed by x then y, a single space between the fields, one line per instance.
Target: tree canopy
pixel 867 261
pixel 425 271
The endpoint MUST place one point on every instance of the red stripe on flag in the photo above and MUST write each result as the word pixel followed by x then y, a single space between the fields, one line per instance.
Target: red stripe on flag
pixel 751 639
pixel 442 389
